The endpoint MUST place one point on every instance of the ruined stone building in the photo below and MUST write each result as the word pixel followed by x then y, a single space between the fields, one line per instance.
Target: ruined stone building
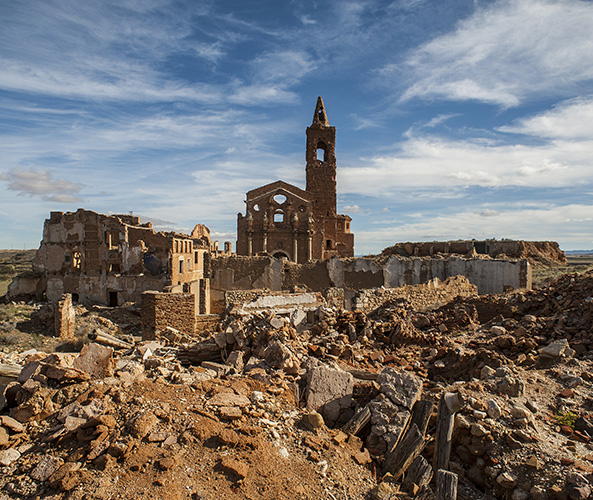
pixel 113 259
pixel 284 221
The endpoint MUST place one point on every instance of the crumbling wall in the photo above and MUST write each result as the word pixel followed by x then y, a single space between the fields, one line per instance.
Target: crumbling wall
pixel 113 259
pixel 26 286
pixel 160 310
pixel 107 289
pixel 314 274
pixel 431 294
pixel 490 276
pixel 238 272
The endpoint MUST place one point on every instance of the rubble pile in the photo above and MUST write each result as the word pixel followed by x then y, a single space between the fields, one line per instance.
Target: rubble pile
pixel 484 397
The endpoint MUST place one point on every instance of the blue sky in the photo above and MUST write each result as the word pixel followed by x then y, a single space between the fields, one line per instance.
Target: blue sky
pixel 455 119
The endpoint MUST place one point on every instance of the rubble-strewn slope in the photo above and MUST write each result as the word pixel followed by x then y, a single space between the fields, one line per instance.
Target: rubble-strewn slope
pixel 273 407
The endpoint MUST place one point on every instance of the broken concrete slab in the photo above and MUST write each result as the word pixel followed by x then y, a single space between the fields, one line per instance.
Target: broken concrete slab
pixel 8 456
pixel 11 423
pixel 45 468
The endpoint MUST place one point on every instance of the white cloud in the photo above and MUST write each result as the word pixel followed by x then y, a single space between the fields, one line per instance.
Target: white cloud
pixel 572 222
pixel 353 209
pixel 561 157
pixel 569 120
pixel 307 20
pixel 40 183
pixel 261 94
pixel 131 83
pixel 437 120
pixel 504 53
pixel 286 67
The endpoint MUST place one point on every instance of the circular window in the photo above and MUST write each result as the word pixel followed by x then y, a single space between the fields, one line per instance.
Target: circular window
pixel 279 198
pixel 302 208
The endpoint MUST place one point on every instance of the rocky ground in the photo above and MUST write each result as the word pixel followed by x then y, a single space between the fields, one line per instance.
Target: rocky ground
pixel 347 406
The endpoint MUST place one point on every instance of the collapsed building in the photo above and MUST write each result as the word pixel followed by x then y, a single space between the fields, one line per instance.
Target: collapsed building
pixel 285 221
pixel 289 241
pixel 114 259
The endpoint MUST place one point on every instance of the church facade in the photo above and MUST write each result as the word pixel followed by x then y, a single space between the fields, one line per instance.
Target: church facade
pixel 285 221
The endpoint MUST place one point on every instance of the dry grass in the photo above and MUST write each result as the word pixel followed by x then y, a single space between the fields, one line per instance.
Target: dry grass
pixel 13 262
pixel 542 276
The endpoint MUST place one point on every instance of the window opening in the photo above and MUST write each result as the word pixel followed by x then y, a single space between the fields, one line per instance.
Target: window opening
pixel 180 265
pixel 76 260
pixel 279 198
pixel 279 217
pixel 328 244
pixel 321 152
pixel 113 299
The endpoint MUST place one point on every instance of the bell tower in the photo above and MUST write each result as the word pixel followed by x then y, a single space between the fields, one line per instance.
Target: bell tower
pixel 321 163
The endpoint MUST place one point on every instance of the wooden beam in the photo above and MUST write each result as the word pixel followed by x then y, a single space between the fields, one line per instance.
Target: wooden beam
pixel 449 404
pixel 446 485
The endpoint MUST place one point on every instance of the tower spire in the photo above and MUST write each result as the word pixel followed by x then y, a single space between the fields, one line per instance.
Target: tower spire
pixel 320 116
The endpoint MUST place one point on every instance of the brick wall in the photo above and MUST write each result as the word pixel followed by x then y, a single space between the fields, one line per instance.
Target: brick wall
pixel 159 310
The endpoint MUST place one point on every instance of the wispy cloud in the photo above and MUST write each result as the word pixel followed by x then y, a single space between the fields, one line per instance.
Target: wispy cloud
pixel 569 120
pixel 31 182
pixel 504 221
pixel 504 53
pixel 561 157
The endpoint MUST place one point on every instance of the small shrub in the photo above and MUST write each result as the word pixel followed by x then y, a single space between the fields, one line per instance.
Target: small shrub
pixel 569 418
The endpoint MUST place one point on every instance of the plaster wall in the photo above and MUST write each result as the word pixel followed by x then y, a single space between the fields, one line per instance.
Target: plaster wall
pixel 245 273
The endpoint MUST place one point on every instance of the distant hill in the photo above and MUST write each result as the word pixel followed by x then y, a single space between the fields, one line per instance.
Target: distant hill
pixel 578 252
pixel 13 262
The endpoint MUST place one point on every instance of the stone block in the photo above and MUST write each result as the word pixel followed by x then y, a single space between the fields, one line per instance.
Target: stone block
pixel 278 356
pixel 96 360
pixel 401 387
pixel 329 392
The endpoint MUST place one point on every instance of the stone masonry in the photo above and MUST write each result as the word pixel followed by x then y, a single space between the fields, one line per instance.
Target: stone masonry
pixel 285 221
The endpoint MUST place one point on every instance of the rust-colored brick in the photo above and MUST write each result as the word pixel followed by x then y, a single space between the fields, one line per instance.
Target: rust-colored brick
pixel 285 221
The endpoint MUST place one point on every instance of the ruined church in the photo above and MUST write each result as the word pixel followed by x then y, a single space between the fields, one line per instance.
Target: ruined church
pixel 284 221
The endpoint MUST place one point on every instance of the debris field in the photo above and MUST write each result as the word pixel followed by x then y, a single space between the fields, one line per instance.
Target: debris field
pixel 485 397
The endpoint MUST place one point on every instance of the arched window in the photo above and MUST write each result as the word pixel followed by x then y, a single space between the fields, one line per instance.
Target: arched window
pixel 278 217
pixel 321 151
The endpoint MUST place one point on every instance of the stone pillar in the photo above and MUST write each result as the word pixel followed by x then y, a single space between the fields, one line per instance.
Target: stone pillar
pixel 65 317
pixel 265 248
pixel 250 244
pixel 310 247
pixel 295 248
